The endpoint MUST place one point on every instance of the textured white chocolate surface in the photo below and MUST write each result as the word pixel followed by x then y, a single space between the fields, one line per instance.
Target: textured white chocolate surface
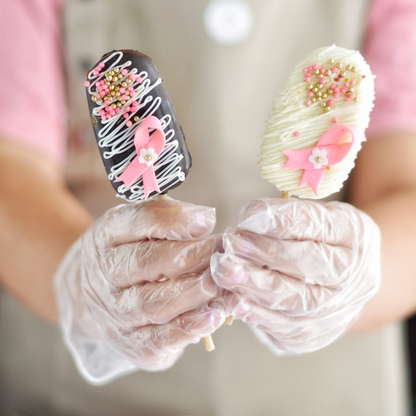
pixel 291 114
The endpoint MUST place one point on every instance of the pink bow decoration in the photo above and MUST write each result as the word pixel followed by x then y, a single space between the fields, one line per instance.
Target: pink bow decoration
pixel 331 149
pixel 148 150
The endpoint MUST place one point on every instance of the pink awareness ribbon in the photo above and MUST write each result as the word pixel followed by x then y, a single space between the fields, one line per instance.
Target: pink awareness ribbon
pixel 148 150
pixel 331 149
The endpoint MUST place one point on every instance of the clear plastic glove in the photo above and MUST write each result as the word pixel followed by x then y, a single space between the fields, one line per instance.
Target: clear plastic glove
pixel 136 288
pixel 300 271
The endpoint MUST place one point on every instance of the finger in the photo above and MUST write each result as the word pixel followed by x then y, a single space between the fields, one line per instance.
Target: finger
pixel 269 288
pixel 159 303
pixel 311 261
pixel 153 260
pixel 295 219
pixel 154 344
pixel 296 334
pixel 155 219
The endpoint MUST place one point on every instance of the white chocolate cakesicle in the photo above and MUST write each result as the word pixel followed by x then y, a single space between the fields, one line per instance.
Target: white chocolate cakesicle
pixel 332 87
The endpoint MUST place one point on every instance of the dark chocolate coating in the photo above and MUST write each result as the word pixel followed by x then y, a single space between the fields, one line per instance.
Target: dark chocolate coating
pixel 143 63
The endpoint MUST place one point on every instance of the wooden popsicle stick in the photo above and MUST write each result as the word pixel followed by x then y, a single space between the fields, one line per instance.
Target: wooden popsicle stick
pixel 229 320
pixel 208 341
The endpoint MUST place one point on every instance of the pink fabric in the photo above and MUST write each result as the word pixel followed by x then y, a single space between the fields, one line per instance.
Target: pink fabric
pixel 390 49
pixel 32 108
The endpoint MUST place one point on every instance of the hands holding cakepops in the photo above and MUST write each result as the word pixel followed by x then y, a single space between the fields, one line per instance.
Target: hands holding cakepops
pixel 138 283
pixel 300 272
pixel 136 288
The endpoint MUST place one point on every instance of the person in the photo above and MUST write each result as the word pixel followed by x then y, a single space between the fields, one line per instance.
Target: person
pixel 223 95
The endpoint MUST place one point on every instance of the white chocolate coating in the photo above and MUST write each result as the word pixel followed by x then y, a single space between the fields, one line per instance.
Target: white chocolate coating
pixel 291 114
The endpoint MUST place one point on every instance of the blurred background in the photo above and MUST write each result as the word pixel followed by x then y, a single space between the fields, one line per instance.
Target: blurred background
pixel 223 63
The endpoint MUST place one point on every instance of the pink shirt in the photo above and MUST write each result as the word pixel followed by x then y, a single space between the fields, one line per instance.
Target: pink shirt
pixel 390 50
pixel 32 108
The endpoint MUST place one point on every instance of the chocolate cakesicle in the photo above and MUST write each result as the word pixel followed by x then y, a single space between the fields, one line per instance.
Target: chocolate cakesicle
pixel 141 143
pixel 139 137
pixel 318 122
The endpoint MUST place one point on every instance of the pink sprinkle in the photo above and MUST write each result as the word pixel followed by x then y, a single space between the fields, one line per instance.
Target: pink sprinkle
pixel 108 116
pixel 315 66
pixel 335 120
pixel 124 97
pixel 333 86
pixel 352 96
pixel 310 93
pixel 96 73
pixel 102 93
pixel 308 102
pixel 132 76
pixel 336 89
pixel 353 82
pixel 336 95
pixel 101 112
pixel 128 123
pixel 127 109
pixel 108 108
pixel 322 70
pixel 112 113
pixel 103 118
pixel 134 103
pixel 122 89
pixel 335 69
pixel 87 83
pixel 296 134
pixel 346 84
pixel 124 72
pixel 117 110
pixel 130 88
pixel 330 103
pixel 125 115
pixel 101 64
pixel 106 102
pixel 348 99
pixel 307 79
pixel 322 80
pixel 343 90
pixel 310 68
pixel 305 69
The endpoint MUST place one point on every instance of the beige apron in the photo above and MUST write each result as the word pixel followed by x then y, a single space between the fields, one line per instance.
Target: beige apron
pixel 223 95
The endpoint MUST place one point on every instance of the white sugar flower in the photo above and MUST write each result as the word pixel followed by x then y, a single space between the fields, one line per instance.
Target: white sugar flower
pixel 318 158
pixel 147 156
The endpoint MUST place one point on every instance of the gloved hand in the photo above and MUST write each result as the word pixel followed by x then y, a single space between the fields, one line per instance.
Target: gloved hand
pixel 136 288
pixel 300 271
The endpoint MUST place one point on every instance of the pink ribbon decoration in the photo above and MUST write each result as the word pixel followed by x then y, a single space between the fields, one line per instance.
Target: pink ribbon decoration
pixel 142 140
pixel 331 149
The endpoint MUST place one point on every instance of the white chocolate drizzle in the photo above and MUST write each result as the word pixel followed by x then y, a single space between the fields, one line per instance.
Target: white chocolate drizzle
pixel 290 114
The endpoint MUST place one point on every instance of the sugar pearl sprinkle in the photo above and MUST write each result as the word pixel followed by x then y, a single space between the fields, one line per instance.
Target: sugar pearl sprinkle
pixel 330 84
pixel 113 90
